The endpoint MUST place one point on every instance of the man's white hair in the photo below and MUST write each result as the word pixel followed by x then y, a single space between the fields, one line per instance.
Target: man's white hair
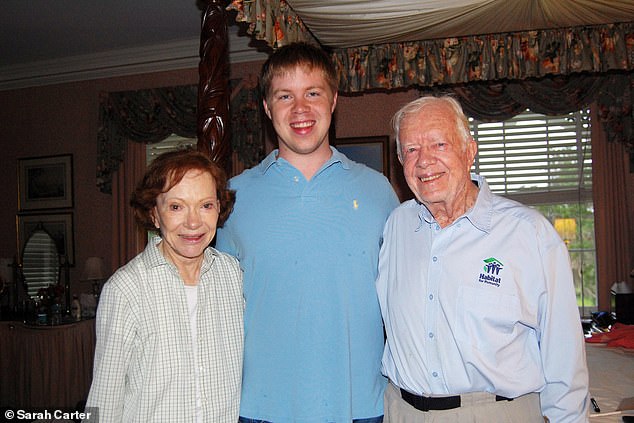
pixel 415 106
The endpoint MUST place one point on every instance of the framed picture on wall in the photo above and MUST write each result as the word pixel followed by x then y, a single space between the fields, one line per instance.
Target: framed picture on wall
pixel 45 182
pixel 59 226
pixel 371 151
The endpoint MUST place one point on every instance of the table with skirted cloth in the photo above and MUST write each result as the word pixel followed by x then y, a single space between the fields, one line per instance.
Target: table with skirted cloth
pixel 45 367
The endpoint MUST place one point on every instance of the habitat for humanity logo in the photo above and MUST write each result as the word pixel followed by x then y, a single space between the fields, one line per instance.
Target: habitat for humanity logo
pixel 492 268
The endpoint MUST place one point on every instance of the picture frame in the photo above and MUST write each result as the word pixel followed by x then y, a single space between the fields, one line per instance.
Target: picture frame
pixel 371 151
pixel 58 225
pixel 45 182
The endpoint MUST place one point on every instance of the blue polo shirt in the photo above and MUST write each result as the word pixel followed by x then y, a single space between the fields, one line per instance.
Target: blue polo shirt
pixel 309 252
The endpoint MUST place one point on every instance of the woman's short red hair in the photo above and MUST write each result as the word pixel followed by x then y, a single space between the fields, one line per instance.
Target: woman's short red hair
pixel 168 170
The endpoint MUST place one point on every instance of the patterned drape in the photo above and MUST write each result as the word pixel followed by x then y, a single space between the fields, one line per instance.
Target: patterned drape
pixel 613 92
pixel 516 55
pixel 246 127
pixel 492 57
pixel 498 60
pixel 145 116
pixel 149 116
pixel 272 21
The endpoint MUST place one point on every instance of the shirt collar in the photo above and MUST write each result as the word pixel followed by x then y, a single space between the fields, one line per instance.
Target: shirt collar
pixel 155 258
pixel 479 215
pixel 336 157
pixel 268 161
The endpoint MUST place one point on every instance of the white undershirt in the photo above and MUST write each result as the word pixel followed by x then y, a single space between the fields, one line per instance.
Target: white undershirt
pixel 191 292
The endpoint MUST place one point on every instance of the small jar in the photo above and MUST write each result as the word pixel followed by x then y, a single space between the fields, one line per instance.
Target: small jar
pixel 75 309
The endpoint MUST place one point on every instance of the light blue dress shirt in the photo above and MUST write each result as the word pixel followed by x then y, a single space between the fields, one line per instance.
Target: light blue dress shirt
pixel 486 304
pixel 309 250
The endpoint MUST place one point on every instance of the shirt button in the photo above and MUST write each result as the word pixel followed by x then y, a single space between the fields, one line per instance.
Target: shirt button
pixel 296 178
pixel 431 335
pixel 435 374
pixel 435 259
pixel 431 297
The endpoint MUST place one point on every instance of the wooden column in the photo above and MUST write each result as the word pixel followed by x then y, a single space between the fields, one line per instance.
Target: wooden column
pixel 213 86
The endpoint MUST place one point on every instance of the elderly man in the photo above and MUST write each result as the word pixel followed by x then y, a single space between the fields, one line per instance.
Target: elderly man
pixel 476 291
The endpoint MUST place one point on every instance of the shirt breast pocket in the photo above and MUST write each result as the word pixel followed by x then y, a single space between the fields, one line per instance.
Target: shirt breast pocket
pixel 486 320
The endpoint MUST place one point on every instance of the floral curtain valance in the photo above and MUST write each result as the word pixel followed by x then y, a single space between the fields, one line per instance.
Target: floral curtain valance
pixel 272 21
pixel 498 60
pixel 612 92
pixel 149 116
pixel 518 55
pixel 441 61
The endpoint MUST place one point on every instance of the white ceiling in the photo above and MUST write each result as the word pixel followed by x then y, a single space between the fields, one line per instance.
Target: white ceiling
pixel 33 30
pixel 51 41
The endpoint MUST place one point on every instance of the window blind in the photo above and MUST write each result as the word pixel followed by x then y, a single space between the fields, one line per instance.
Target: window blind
pixel 536 159
pixel 171 143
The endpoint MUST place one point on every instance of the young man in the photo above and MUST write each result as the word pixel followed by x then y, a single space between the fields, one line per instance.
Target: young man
pixel 307 228
pixel 476 291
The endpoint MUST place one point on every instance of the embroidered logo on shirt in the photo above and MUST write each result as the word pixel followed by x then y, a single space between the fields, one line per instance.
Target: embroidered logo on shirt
pixel 355 204
pixel 491 274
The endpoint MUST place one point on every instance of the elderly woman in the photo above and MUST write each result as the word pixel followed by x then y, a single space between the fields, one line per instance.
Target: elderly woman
pixel 169 322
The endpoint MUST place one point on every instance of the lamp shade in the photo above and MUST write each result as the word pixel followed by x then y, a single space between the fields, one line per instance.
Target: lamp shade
pixel 93 269
pixel 566 227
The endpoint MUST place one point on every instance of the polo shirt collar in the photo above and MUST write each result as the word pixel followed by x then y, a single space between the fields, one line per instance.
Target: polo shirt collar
pixel 336 157
pixel 268 161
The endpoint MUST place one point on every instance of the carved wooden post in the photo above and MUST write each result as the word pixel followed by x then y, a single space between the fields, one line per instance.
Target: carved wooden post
pixel 213 86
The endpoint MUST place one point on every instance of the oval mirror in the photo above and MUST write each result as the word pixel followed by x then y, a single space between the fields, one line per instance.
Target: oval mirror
pixel 40 262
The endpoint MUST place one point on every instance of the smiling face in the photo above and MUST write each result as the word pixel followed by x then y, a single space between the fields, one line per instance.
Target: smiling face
pixel 300 105
pixel 436 161
pixel 186 217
